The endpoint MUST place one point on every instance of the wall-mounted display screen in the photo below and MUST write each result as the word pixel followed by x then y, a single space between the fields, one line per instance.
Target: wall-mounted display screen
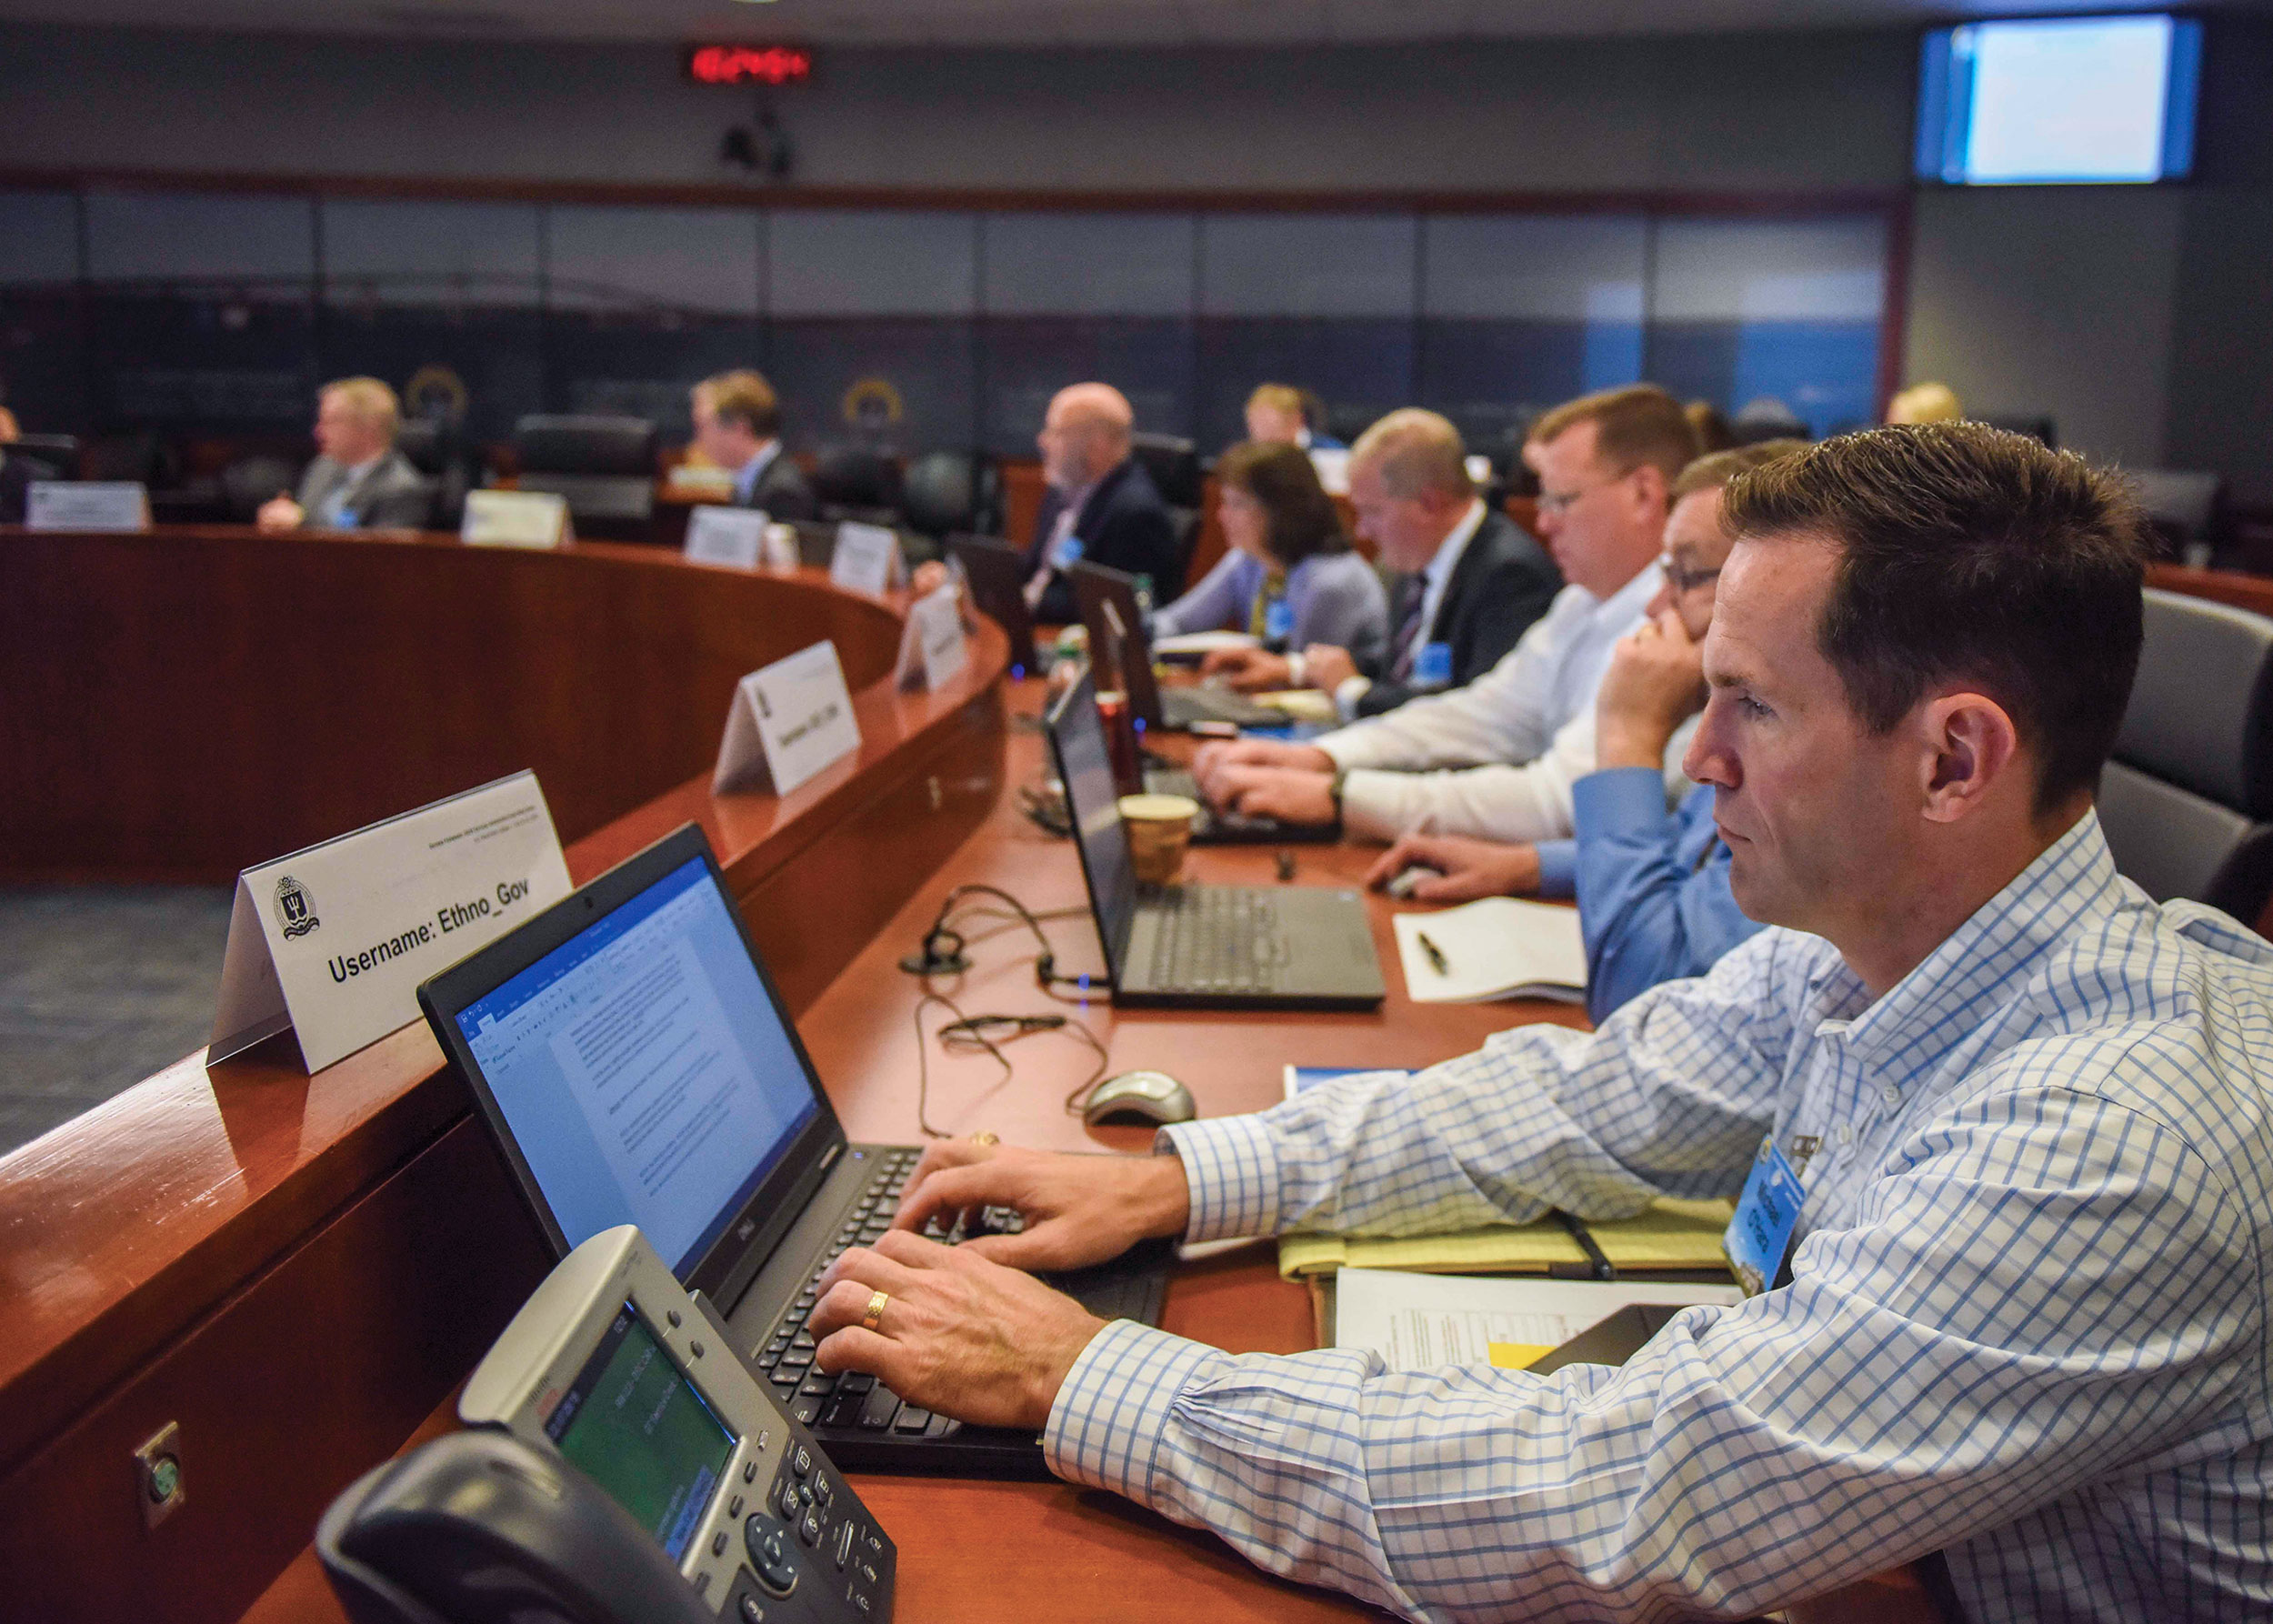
pixel 2060 100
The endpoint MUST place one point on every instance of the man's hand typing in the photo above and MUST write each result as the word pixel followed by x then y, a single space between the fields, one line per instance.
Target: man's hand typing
pixel 1078 1209
pixel 956 1333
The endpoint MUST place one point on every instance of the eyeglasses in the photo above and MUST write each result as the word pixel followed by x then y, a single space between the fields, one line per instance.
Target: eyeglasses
pixel 1684 581
pixel 1559 503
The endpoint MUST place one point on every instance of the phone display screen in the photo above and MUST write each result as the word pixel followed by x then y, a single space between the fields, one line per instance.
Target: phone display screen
pixel 635 1426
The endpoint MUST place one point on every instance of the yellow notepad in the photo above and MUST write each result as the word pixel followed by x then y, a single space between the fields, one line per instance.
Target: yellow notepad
pixel 1668 1235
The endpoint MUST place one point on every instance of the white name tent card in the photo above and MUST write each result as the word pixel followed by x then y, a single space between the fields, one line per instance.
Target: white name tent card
pixel 789 721
pixel 334 940
pixel 516 520
pixel 932 646
pixel 88 504
pixel 868 558
pixel 734 536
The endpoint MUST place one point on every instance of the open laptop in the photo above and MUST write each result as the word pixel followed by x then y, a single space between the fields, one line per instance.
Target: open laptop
pixel 996 572
pixel 1201 946
pixel 635 1064
pixel 1107 601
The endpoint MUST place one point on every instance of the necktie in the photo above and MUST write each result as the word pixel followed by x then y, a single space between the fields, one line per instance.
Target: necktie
pixel 1408 632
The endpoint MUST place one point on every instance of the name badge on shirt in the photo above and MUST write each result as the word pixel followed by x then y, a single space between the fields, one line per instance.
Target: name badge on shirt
pixel 1066 553
pixel 1278 620
pixel 1759 1240
pixel 1432 667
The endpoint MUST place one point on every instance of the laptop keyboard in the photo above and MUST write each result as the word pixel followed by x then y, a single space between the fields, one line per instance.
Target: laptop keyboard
pixel 1214 939
pixel 849 1398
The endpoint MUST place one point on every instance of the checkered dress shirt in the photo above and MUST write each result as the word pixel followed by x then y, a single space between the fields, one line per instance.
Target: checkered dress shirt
pixel 2028 1325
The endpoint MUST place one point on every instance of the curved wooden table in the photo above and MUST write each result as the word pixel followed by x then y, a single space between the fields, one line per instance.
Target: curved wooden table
pixel 297 1268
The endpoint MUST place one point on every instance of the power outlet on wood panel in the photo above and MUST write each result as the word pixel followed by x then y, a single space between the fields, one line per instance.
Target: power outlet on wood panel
pixel 158 1474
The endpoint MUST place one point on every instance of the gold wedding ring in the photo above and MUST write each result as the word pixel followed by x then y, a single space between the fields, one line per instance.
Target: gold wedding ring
pixel 986 1137
pixel 874 1317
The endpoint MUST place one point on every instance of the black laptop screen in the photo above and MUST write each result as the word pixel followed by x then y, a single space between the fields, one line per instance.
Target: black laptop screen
pixel 647 1076
pixel 1093 802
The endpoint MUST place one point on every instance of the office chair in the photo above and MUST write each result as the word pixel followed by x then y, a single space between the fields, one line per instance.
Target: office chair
pixel 1174 464
pixel 945 491
pixel 2182 507
pixel 857 481
pixel 52 456
pixel 2186 802
pixel 433 448
pixel 605 468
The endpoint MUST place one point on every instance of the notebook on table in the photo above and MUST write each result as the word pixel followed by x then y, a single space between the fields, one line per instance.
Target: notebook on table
pixel 635 1064
pixel 1198 945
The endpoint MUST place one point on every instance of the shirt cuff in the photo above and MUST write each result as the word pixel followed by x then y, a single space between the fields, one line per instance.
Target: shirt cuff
pixel 1231 1169
pixel 1374 805
pixel 1618 799
pixel 1113 1406
pixel 1558 867
pixel 1348 693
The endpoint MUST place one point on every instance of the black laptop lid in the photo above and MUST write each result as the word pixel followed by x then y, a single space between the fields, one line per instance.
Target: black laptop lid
pixel 1093 804
pixel 1095 586
pixel 637 1065
pixel 996 572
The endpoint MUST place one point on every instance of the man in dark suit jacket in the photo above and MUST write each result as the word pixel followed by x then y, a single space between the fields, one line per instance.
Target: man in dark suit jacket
pixel 1473 580
pixel 359 481
pixel 738 426
pixel 1101 505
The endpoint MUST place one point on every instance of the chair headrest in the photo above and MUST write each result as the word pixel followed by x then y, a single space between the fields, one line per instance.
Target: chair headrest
pixel 584 444
pixel 2201 712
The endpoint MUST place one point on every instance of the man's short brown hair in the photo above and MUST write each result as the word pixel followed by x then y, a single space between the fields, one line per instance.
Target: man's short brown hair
pixel 370 399
pixel 1417 451
pixel 1640 424
pixel 1277 397
pixel 1716 468
pixel 1969 554
pixel 743 396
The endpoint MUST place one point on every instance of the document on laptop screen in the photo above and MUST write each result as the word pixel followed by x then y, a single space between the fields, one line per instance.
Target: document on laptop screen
pixel 647 1076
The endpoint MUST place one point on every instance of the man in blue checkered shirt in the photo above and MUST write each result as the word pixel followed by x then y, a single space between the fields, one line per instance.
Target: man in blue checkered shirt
pixel 2025 1327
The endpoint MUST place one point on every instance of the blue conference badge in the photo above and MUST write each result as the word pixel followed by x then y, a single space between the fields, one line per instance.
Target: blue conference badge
pixel 1278 620
pixel 1760 1236
pixel 1432 667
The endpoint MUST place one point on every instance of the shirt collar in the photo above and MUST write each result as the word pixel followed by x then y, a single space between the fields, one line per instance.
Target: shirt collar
pixel 1959 987
pixel 1456 542
pixel 1626 604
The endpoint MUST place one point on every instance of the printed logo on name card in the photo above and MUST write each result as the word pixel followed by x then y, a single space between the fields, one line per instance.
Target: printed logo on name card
pixel 295 910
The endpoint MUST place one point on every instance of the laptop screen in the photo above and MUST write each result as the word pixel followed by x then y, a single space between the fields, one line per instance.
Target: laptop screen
pixel 646 1075
pixel 1093 802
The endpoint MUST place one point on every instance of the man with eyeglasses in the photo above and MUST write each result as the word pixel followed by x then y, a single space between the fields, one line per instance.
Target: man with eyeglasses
pixel 1654 897
pixel 1497 759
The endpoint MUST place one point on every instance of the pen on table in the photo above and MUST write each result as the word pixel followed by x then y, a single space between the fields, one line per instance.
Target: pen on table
pixel 1437 959
pixel 1597 1266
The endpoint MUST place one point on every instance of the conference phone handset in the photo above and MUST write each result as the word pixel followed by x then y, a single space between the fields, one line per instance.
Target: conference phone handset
pixel 622 1466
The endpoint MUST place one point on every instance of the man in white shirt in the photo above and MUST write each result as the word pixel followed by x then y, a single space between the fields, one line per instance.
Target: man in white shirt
pixel 2009 1313
pixel 1497 759
pixel 358 481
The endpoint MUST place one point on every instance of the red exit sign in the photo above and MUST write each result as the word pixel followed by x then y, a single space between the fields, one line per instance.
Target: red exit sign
pixel 748 65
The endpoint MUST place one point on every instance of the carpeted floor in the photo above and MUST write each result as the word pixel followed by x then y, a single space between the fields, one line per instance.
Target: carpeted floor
pixel 100 986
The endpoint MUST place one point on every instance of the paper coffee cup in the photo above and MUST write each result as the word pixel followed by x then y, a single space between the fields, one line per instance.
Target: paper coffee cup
pixel 1159 829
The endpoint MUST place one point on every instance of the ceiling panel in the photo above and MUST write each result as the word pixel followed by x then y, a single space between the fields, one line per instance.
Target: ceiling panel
pixel 1036 22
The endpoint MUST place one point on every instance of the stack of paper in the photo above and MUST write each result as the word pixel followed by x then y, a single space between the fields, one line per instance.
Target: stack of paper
pixel 1414 1322
pixel 1668 1236
pixel 1496 948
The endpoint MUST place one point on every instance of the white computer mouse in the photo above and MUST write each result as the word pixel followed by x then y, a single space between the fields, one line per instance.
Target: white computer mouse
pixel 1139 1098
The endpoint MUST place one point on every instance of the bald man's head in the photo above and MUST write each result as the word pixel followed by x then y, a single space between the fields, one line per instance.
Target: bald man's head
pixel 1084 436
